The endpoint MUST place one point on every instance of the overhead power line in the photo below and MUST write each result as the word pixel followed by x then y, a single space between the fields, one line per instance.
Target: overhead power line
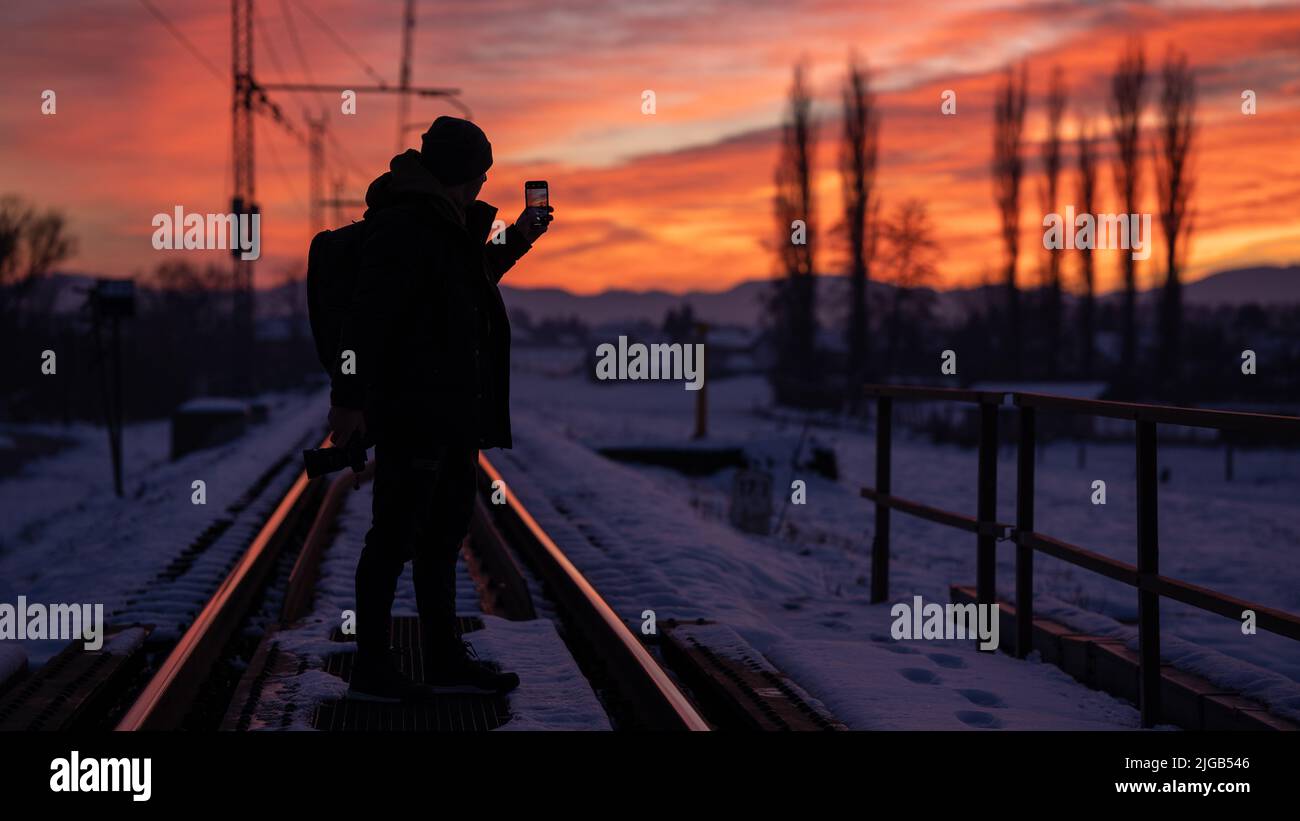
pixel 341 153
pixel 268 44
pixel 282 173
pixel 183 40
pixel 287 14
pixel 341 43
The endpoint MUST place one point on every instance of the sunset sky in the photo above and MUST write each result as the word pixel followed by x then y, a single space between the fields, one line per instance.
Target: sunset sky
pixel 677 200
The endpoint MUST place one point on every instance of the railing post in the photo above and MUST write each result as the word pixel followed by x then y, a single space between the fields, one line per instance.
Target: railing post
pixel 1148 567
pixel 1025 526
pixel 985 540
pixel 880 546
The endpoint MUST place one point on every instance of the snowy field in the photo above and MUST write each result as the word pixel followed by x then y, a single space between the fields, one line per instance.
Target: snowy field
pixel 65 537
pixel 661 541
pixel 650 538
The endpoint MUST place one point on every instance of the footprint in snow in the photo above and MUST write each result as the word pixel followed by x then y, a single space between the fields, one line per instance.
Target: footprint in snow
pixel 975 718
pixel 946 660
pixel 918 676
pixel 983 698
pixel 901 649
pixel 837 626
pixel 892 646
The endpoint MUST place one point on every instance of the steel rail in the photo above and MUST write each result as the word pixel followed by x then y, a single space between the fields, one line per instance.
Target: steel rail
pixel 165 700
pixel 168 696
pixel 667 705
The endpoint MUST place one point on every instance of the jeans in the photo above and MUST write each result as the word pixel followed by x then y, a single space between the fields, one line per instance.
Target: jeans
pixel 421 513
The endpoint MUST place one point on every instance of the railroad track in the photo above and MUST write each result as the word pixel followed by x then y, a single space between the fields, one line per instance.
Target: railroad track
pixel 170 695
pixel 91 690
pixel 642 692
pixel 704 676
pixel 631 678
pixel 272 582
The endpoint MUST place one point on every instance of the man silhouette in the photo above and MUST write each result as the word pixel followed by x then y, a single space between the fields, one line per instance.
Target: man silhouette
pixel 432 346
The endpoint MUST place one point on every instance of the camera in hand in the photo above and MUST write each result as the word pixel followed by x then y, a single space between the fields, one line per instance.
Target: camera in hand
pixel 321 461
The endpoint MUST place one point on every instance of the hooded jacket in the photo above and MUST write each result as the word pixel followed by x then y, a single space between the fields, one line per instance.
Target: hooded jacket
pixel 427 323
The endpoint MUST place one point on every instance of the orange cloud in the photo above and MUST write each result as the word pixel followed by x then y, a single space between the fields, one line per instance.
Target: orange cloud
pixel 677 200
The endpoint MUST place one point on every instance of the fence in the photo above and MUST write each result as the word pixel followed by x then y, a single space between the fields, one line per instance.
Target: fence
pixel 1144 577
pixel 987 531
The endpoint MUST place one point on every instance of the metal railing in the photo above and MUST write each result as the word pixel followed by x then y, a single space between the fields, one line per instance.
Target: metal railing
pixel 984 525
pixel 1144 576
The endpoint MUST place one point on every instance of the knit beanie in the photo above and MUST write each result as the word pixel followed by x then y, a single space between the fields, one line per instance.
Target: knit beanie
pixel 455 150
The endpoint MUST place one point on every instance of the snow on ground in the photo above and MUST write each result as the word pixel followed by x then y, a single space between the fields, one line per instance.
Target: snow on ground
pixel 644 547
pixel 66 538
pixel 552 694
pixel 651 538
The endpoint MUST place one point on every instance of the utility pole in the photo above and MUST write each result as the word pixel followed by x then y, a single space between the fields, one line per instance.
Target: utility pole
pixel 243 199
pixel 250 97
pixel 112 300
pixel 316 169
pixel 404 76
pixel 338 202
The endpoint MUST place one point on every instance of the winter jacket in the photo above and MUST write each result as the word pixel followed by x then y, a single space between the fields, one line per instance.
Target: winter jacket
pixel 427 325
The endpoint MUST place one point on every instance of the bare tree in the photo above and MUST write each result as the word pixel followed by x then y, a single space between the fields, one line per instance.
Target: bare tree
pixel 31 243
pixel 858 157
pixel 188 298
pixel 1087 196
pixel 794 299
pixel 1008 168
pixel 1174 185
pixel 1056 96
pixel 1126 88
pixel 14 216
pixel 912 251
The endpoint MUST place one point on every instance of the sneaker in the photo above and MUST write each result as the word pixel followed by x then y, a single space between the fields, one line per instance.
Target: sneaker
pixel 462 672
pixel 383 682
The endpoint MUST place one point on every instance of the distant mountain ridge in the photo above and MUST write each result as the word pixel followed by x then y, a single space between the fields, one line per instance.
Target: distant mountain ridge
pixel 742 303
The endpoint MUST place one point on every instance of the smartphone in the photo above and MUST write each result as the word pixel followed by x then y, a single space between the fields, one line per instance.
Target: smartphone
pixel 537 194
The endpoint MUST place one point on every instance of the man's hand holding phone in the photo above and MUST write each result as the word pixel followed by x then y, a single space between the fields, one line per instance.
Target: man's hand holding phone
pixel 533 222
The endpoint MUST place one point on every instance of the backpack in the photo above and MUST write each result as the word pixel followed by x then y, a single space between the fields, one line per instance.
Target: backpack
pixel 333 266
